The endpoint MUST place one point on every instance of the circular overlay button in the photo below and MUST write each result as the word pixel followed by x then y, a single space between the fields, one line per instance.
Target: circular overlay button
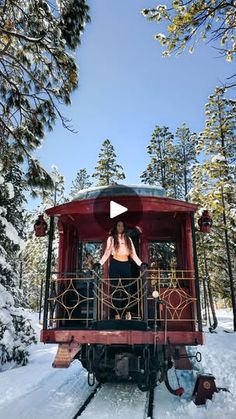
pixel 117 202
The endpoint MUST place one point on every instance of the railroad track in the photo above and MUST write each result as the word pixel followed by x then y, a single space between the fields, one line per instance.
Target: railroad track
pixel 149 411
pixel 87 401
pixel 119 401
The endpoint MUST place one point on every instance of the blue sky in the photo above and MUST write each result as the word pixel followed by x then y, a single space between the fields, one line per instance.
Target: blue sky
pixel 126 88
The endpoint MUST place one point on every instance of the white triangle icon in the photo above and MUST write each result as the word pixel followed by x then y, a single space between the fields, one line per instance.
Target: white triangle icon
pixel 116 209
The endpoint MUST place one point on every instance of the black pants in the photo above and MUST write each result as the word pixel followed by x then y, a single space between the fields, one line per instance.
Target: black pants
pixel 119 269
pixel 120 298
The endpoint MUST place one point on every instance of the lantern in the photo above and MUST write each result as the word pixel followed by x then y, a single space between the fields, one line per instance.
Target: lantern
pixel 205 222
pixel 40 227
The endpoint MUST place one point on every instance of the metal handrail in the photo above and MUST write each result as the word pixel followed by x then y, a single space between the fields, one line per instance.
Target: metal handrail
pixel 101 297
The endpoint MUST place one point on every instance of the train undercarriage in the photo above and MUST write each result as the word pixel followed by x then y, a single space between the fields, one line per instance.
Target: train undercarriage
pixel 144 365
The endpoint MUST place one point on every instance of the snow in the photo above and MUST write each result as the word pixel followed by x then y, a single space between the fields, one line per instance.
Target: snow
pixel 233 212
pixel 10 188
pixel 6 300
pixel 38 391
pixel 219 359
pixel 120 401
pixel 217 158
pixel 6 319
pixel 10 230
pixel 3 263
pixel 15 332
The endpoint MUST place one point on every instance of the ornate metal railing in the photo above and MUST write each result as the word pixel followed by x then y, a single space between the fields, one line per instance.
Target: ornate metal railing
pixel 176 289
pixel 117 297
pixel 156 296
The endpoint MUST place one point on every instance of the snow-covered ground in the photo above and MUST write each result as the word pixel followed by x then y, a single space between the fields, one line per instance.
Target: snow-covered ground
pixel 219 359
pixel 38 391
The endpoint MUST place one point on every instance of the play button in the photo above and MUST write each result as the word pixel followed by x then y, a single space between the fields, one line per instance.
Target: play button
pixel 117 200
pixel 116 209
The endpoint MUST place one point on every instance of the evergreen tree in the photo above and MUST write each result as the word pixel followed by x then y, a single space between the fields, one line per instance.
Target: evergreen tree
pixel 214 188
pixel 161 151
pixel 34 255
pixel 37 73
pixel 82 181
pixel 107 170
pixel 191 21
pixel 34 259
pixel 16 333
pixel 11 219
pixel 56 195
pixel 170 160
pixel 150 176
pixel 185 156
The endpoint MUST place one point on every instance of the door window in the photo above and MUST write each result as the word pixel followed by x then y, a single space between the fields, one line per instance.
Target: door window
pixel 89 253
pixel 162 254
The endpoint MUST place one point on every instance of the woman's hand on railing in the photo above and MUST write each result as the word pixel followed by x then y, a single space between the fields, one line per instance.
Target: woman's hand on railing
pixel 143 266
pixel 97 266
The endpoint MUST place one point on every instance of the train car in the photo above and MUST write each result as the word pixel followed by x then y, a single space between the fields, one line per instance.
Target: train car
pixel 81 302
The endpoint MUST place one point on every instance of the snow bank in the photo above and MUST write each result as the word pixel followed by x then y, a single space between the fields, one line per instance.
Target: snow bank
pixel 219 359
pixel 16 333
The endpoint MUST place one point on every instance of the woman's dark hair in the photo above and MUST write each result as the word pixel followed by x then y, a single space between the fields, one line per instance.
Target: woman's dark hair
pixel 114 234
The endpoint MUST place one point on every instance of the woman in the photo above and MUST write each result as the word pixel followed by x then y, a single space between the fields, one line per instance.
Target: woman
pixel 120 246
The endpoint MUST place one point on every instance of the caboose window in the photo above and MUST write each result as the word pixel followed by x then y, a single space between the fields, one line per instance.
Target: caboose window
pixel 89 253
pixel 162 254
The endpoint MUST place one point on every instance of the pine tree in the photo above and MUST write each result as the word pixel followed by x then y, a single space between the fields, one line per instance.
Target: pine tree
pixel 171 158
pixel 150 176
pixel 214 188
pixel 37 73
pixel 34 258
pixel 34 255
pixel 185 154
pixel 16 332
pixel 56 195
pixel 162 161
pixel 191 21
pixel 82 181
pixel 11 219
pixel 107 170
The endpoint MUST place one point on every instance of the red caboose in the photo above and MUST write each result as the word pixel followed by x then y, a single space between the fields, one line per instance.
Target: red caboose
pixel 163 298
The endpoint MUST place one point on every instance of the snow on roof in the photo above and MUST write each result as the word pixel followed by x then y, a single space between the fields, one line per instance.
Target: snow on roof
pixel 121 189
